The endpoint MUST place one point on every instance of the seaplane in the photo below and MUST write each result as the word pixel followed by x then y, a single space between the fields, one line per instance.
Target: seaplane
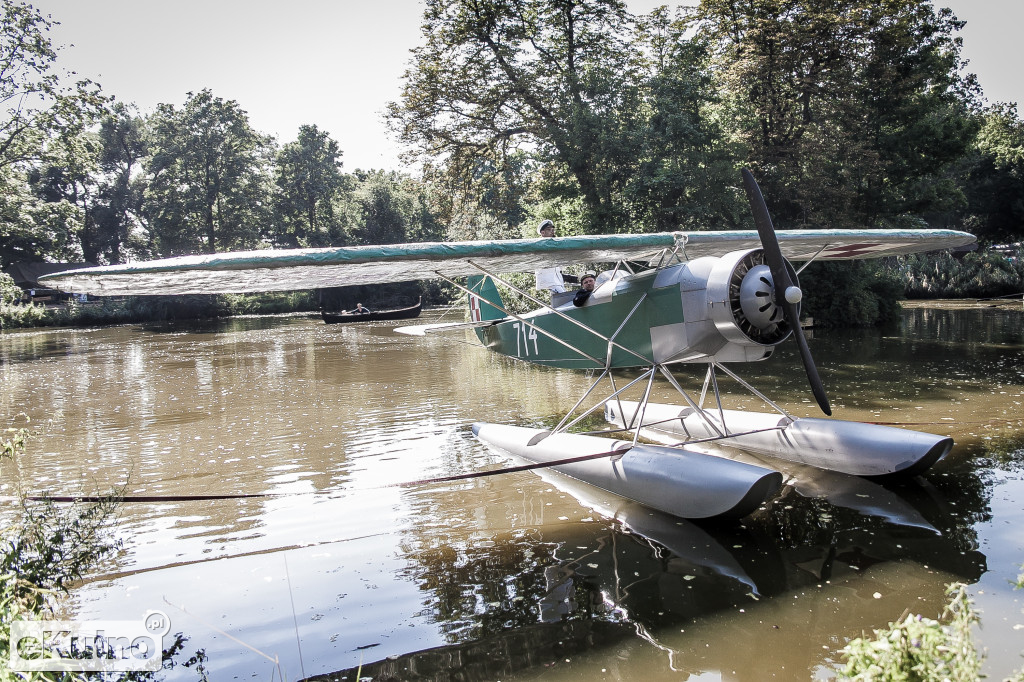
pixel 714 298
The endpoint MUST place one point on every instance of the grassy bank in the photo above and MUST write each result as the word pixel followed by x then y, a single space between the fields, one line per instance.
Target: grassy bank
pixel 151 308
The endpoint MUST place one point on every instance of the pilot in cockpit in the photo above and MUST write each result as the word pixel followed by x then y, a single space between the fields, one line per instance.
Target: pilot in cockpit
pixel 587 283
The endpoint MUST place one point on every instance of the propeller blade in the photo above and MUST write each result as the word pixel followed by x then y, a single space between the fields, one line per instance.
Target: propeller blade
pixel 817 386
pixel 787 295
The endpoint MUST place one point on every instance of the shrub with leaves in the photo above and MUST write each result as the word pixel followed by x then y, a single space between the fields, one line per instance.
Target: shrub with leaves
pixel 44 550
pixel 978 274
pixel 12 313
pixel 9 291
pixel 919 649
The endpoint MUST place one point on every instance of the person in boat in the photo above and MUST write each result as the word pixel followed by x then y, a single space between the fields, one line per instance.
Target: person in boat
pixel 587 283
pixel 360 310
pixel 551 278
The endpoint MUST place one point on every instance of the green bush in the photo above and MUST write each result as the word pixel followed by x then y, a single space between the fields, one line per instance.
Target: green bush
pixel 979 274
pixel 12 313
pixel 9 291
pixel 43 553
pixel 850 294
pixel 918 649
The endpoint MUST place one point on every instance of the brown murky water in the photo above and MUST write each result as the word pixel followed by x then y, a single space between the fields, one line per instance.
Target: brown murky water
pixel 519 576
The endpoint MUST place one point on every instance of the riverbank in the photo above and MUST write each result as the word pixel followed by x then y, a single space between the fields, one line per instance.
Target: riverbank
pixel 134 309
pixel 1015 302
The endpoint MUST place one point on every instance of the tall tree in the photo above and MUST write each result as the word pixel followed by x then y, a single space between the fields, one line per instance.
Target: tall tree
pixel 32 228
pixel 920 111
pixel 680 159
pixel 489 203
pixel 98 176
pixel 995 184
pixel 124 148
pixel 42 113
pixel 498 75
pixel 389 208
pixel 385 211
pixel 38 103
pixel 70 177
pixel 209 177
pixel 852 109
pixel 308 179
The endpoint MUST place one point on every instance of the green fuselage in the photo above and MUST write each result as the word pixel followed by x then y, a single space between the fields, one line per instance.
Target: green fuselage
pixel 526 339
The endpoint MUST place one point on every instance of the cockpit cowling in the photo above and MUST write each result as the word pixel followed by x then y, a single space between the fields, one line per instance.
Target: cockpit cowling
pixel 729 310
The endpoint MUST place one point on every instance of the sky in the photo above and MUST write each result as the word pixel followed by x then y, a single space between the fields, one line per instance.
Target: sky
pixel 337 63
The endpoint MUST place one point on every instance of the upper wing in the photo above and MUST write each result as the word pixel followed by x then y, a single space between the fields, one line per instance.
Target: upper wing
pixel 285 270
pixel 801 245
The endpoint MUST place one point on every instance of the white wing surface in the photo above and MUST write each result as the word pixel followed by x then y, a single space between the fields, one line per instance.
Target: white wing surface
pixel 286 270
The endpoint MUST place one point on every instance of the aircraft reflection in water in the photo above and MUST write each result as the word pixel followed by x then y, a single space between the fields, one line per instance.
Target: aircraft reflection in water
pixel 549 596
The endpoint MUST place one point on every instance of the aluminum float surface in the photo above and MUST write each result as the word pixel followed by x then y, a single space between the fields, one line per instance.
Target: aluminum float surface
pixel 675 480
pixel 849 447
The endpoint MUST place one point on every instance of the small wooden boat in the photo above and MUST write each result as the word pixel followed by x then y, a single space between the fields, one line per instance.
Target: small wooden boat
pixel 397 314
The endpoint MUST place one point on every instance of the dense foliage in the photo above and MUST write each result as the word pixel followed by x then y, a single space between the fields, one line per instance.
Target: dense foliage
pixel 919 648
pixel 978 275
pixel 851 114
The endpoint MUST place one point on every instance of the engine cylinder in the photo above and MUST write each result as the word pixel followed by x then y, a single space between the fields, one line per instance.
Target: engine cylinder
pixel 741 298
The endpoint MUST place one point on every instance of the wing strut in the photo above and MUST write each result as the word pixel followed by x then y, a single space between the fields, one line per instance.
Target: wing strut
pixel 812 259
pixel 523 321
pixel 562 426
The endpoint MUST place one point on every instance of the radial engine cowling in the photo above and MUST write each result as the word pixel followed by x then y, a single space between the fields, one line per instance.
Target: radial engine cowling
pixel 741 299
pixel 729 310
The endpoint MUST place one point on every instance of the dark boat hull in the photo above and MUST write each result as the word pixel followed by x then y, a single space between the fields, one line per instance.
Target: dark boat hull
pixel 400 314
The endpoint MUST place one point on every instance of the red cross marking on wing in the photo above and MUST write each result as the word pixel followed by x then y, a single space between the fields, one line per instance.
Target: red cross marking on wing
pixel 854 250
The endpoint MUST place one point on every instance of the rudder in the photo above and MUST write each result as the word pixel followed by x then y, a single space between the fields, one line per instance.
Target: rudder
pixel 486 302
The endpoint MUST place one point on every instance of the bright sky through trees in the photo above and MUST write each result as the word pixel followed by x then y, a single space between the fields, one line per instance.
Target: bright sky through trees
pixel 336 64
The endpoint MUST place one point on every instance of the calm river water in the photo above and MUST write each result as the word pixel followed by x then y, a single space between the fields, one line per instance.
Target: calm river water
pixel 513 577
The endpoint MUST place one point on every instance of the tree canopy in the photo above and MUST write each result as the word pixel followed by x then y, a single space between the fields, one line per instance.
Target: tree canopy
pixel 851 113
pixel 308 182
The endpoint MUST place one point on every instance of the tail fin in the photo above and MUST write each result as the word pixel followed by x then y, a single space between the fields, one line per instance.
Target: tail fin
pixel 482 303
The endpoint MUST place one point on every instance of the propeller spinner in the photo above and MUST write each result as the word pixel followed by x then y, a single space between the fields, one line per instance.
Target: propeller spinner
pixel 786 293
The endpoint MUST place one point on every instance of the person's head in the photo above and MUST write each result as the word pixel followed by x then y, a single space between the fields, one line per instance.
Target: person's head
pixel 546 228
pixel 588 281
pixel 359 305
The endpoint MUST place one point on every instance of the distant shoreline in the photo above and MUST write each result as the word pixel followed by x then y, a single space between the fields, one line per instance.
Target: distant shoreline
pixel 1015 302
